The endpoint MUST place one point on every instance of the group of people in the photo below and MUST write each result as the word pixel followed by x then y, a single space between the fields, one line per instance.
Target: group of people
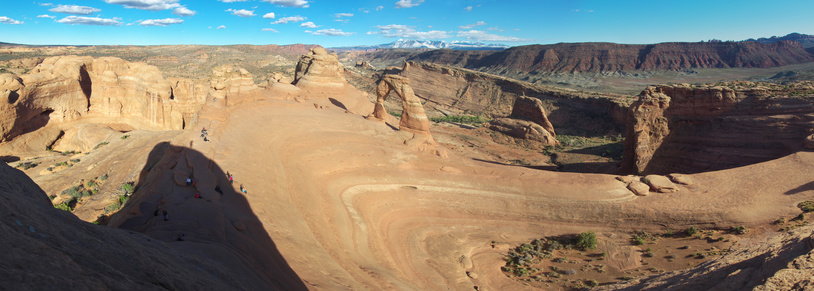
pixel 232 181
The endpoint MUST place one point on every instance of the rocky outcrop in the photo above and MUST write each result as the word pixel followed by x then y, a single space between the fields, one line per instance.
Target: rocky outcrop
pixel 524 130
pixel 319 69
pixel 413 118
pixel 452 90
pixel 228 81
pixel 690 129
pixel 532 109
pixel 66 89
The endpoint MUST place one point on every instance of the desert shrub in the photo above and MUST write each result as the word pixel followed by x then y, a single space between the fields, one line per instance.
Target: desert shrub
pixel 90 183
pixel 73 192
pixel 125 136
pixel 521 272
pixel 27 165
pixel 692 230
pixel 806 206
pixel 586 240
pixel 103 177
pixel 118 204
pixel 591 283
pixel 395 113
pixel 101 144
pixel 739 230
pixel 460 119
pixel 128 188
pixel 64 206
pixel 570 272
pixel 61 164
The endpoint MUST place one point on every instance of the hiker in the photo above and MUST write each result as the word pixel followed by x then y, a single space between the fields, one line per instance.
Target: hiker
pixel 197 194
pixel 165 214
pixel 231 179
pixel 243 190
pixel 228 175
pixel 206 139
pixel 189 181
pixel 203 131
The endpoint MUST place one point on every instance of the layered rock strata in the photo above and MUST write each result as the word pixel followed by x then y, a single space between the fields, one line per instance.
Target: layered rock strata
pixel 690 129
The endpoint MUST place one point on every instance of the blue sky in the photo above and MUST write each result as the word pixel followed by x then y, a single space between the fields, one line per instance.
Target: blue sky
pixel 333 23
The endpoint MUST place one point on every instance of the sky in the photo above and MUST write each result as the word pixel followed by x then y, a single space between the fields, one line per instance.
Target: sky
pixel 336 23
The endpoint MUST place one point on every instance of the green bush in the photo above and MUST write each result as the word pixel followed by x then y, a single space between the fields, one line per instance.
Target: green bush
pixel 125 136
pixel 460 119
pixel 103 177
pixel 128 188
pixel 806 206
pixel 90 183
pixel 586 240
pixel 64 206
pixel 692 230
pixel 101 144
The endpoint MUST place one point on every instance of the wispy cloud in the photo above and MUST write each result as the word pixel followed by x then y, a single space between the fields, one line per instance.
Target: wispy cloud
pixel 404 31
pixel 82 20
pixel 379 8
pixel 408 3
pixel 470 26
pixel 269 15
pixel 479 35
pixel 221 27
pixel 74 9
pixel 469 8
pixel 230 1
pixel 160 22
pixel 309 24
pixel 289 3
pixel 340 15
pixel 331 32
pixel 46 4
pixel 183 11
pixel 288 19
pixel 6 20
pixel 154 5
pixel 242 12
pixel 270 29
pixel 46 16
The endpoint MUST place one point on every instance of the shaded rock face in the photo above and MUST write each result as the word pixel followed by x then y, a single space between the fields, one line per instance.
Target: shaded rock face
pixel 688 129
pixel 65 89
pixel 460 91
pixel 413 117
pixel 44 245
pixel 319 69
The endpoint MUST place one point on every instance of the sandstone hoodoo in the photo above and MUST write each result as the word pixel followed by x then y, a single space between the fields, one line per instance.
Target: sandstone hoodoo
pixel 319 69
pixel 690 129
pixel 531 123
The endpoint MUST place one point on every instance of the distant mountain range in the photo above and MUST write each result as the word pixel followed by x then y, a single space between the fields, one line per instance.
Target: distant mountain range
pixel 806 40
pixel 429 44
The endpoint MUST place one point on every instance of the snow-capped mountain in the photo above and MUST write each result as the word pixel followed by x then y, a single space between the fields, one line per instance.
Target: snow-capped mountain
pixel 430 44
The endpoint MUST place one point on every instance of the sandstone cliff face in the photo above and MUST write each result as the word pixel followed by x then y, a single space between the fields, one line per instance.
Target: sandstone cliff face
pixel 319 69
pixel 454 90
pixel 65 89
pixel 609 57
pixel 682 128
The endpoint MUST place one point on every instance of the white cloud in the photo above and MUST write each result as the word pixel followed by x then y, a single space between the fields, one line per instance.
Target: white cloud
pixel 478 35
pixel 289 3
pixel 183 11
pixel 379 8
pixel 309 24
pixel 90 21
pixel 160 22
pixel 404 31
pixel 331 32
pixel 408 3
pixel 494 28
pixel 46 4
pixel 242 12
pixel 468 8
pixel 221 27
pixel 6 20
pixel 269 15
pixel 470 26
pixel 230 1
pixel 340 15
pixel 154 5
pixel 74 9
pixel 270 29
pixel 289 19
pixel 46 16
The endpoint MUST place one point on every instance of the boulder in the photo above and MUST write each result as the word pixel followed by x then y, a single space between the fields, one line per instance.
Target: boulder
pixel 681 179
pixel 660 184
pixel 639 188
pixel 523 129
pixel 809 142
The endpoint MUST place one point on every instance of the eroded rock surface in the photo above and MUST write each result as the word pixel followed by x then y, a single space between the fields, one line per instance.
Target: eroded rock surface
pixel 413 117
pixel 690 129
pixel 319 69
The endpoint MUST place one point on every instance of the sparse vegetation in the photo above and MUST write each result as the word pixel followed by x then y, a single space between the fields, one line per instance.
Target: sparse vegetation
pixel 101 144
pixel 692 230
pixel 125 136
pixel 460 119
pixel 64 206
pixel 586 240
pixel 27 165
pixel 806 206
